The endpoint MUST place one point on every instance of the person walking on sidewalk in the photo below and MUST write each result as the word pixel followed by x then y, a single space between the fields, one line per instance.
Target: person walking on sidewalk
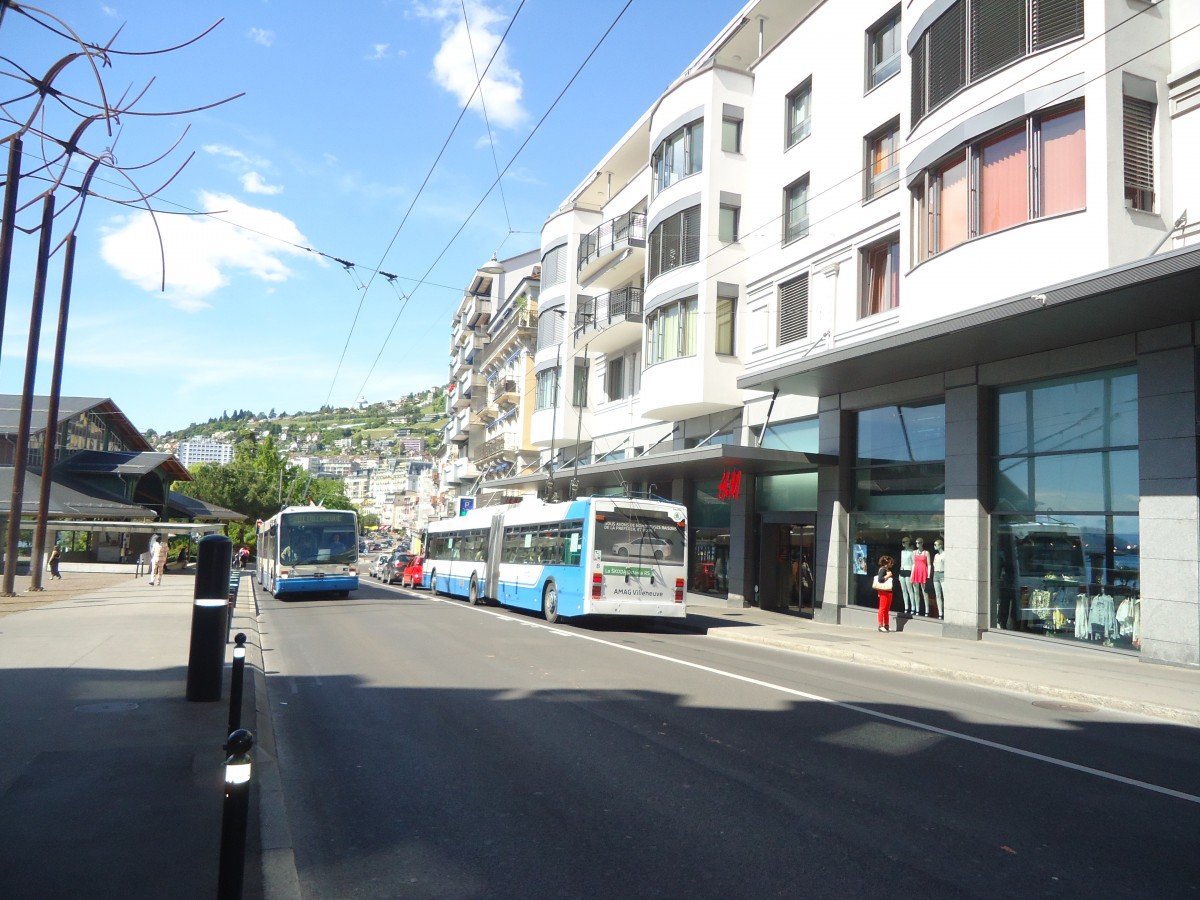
pixel 55 556
pixel 158 561
pixel 883 587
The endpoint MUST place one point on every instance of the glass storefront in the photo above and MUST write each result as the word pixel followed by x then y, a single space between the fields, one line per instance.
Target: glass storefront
pixel 1065 533
pixel 903 537
pixel 708 541
pixel 899 499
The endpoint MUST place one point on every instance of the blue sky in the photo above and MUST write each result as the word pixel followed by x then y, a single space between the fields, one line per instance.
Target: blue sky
pixel 345 109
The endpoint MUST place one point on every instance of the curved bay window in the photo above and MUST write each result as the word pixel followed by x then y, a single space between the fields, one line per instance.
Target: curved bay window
pixel 679 155
pixel 1065 523
pixel 671 331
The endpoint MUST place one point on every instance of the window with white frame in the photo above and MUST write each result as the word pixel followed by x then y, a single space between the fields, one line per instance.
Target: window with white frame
pixel 731 135
pixel 726 319
pixel 614 378
pixel 671 331
pixel 793 310
pixel 546 393
pixel 799 114
pixel 1029 169
pixel 883 49
pixel 795 210
pixel 679 155
pixel 727 225
pixel 881 277
pixel 675 242
pixel 1138 136
pixel 973 39
pixel 883 160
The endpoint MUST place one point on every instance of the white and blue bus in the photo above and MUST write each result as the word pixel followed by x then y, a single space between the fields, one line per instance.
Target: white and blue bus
pixel 595 556
pixel 308 550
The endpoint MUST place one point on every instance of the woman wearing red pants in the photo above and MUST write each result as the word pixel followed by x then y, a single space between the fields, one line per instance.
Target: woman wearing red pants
pixel 883 587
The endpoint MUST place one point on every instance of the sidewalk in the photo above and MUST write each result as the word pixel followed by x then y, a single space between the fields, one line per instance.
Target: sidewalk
pixel 111 781
pixel 1028 665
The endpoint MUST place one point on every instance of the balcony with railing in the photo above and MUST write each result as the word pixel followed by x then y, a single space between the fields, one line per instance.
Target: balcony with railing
pixel 477 311
pixel 503 446
pixel 506 393
pixel 601 245
pixel 611 320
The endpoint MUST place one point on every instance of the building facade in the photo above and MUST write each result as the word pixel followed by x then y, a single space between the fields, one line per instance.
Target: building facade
pixel 204 450
pixel 908 279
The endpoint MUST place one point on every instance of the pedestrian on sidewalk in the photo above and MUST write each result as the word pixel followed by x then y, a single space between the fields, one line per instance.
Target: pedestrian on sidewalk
pixel 55 556
pixel 883 587
pixel 158 561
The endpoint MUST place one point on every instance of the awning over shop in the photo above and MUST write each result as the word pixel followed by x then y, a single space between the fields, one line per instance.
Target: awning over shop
pixel 699 462
pixel 1151 293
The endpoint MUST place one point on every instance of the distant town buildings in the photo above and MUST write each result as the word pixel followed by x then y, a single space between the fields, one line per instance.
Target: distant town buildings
pixel 204 450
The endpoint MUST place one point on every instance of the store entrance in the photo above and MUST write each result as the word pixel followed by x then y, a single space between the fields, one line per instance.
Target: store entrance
pixel 787 572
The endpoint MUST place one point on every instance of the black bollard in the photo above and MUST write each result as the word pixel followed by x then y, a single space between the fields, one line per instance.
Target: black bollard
pixel 210 629
pixel 235 683
pixel 234 815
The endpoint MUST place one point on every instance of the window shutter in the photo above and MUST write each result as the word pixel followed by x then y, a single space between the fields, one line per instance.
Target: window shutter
pixel 1055 21
pixel 1139 152
pixel 554 267
pixel 690 219
pixel 947 54
pixel 997 34
pixel 793 310
pixel 917 65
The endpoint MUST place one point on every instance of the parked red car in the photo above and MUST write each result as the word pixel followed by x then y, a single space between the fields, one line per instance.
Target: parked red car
pixel 414 572
pixel 393 571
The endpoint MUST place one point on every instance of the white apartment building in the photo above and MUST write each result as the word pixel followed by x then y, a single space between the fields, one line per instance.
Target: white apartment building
pixel 204 450
pixel 487 434
pixel 913 280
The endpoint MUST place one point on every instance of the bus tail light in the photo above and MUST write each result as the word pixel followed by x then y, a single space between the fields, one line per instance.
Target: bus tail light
pixel 678 590
pixel 597 585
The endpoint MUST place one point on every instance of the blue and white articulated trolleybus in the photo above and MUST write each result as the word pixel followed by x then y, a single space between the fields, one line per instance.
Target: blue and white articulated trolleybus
pixel 309 550
pixel 594 556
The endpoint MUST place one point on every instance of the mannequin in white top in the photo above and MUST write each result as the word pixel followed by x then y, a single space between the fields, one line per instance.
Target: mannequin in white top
pixel 939 576
pixel 912 605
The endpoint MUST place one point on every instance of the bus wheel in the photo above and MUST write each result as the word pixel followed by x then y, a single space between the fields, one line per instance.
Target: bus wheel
pixel 473 592
pixel 550 603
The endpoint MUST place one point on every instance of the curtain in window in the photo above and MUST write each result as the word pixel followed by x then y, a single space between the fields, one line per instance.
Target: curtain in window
pixel 1138 134
pixel 687 337
pixel 952 206
pixel 884 166
pixel 725 309
pixel 1063 185
pixel 1003 182
pixel 883 275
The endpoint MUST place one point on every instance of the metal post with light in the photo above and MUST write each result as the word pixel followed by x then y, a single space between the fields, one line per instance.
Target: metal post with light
pixel 558 310
pixel 235 814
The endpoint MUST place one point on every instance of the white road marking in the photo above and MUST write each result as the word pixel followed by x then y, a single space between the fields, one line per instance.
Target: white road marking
pixel 817 698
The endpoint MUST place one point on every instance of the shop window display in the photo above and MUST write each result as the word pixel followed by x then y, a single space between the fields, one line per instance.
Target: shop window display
pixel 1076 578
pixel 1068 445
pixel 917 545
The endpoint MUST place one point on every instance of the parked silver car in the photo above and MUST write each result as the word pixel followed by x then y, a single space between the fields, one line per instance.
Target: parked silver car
pixel 379 564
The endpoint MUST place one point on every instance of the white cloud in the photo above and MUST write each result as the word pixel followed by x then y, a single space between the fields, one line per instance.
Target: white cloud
pixel 378 51
pixel 263 36
pixel 454 66
pixel 252 183
pixel 202 252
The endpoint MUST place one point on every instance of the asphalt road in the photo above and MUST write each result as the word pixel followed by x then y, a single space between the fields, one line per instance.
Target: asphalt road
pixel 431 749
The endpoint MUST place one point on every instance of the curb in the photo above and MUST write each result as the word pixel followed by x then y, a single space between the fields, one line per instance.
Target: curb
pixel 280 880
pixel 1169 713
